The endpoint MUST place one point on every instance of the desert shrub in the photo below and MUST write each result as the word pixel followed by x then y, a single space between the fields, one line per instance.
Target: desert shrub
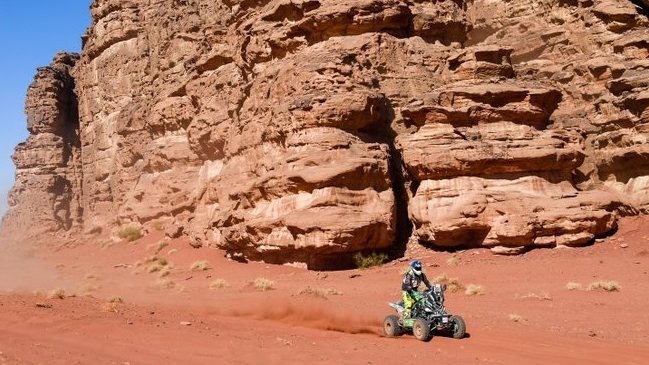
pixel 112 304
pixel 319 292
pixel 164 272
pixel 162 261
pixel 105 244
pixel 263 284
pixel 515 317
pixel 130 234
pixel 452 284
pixel 199 265
pixel 367 261
pixel 160 245
pixel 604 285
pixel 452 261
pixel 473 289
pixel 57 293
pixel 115 300
pixel 218 284
pixel 573 286
pixel 164 284
pixel 540 296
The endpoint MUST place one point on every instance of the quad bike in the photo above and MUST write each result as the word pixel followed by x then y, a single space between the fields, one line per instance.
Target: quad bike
pixel 428 315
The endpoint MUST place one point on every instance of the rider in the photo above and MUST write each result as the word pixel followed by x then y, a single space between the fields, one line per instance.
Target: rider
pixel 410 284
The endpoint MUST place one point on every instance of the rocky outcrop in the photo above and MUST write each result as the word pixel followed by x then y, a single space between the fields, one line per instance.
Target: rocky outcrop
pixel 45 197
pixel 307 131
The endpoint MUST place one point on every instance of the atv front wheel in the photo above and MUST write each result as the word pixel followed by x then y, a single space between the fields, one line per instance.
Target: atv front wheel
pixel 421 329
pixel 458 327
pixel 391 326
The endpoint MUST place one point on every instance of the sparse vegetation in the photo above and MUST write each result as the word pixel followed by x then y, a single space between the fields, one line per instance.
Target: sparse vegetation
pixel 130 234
pixel 473 289
pixel 452 284
pixel 162 261
pixel 200 266
pixel 218 284
pixel 452 261
pixel 573 286
pixel 164 272
pixel 105 244
pixel 515 317
pixel 319 292
pixel 115 300
pixel 164 284
pixel 112 305
pixel 158 225
pixel 57 293
pixel 367 261
pixel 159 246
pixel 540 296
pixel 604 285
pixel 263 284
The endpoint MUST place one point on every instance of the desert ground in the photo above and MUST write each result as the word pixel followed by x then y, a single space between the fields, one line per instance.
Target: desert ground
pixel 157 301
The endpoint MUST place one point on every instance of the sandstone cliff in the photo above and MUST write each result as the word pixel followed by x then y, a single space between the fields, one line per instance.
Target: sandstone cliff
pixel 306 131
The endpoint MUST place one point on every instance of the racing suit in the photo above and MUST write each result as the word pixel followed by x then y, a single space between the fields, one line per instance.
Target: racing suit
pixel 409 290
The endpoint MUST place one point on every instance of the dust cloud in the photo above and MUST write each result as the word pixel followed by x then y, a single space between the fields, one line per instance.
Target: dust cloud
pixel 22 271
pixel 306 314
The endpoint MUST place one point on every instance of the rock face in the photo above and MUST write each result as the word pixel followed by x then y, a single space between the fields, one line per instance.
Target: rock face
pixel 307 131
pixel 45 197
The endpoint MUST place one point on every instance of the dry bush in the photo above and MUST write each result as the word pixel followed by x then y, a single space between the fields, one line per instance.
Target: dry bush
pixel 540 296
pixel 112 304
pixel 164 284
pixel 199 266
pixel 164 272
pixel 452 261
pixel 604 285
pixel 115 299
pixel 129 233
pixel 158 246
pixel 57 293
pixel 452 284
pixel 319 292
pixel 473 289
pixel 573 286
pixel 218 284
pixel 110 307
pixel 367 261
pixel 515 317
pixel 263 284
pixel 105 244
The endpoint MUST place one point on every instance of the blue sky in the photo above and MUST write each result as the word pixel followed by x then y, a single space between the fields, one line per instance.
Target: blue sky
pixel 31 33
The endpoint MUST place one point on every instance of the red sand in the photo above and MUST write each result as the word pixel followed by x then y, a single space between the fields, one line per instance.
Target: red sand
pixel 319 317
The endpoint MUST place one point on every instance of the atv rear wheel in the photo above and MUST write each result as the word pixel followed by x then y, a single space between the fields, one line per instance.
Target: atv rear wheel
pixel 458 327
pixel 421 329
pixel 391 326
